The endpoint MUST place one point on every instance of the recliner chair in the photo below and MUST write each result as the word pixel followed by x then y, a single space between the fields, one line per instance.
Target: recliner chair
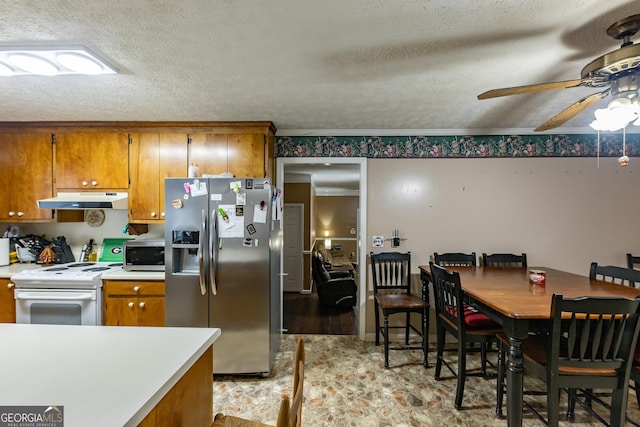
pixel 335 288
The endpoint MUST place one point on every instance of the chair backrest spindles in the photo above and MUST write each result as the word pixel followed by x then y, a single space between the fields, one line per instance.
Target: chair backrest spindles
pixel 614 274
pixel 391 271
pixel 455 259
pixel 505 260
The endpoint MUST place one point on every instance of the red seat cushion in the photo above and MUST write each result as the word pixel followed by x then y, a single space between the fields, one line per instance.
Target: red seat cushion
pixel 474 319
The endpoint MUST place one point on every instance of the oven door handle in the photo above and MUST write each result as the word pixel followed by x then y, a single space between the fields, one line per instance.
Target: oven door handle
pixel 50 297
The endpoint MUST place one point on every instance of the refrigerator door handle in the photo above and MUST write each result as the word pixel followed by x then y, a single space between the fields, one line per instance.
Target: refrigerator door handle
pixel 201 244
pixel 213 255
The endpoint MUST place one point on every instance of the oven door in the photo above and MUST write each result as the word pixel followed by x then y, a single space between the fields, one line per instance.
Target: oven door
pixel 58 306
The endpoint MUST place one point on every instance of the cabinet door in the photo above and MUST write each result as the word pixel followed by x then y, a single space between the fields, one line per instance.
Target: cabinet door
pixel 27 176
pixel 121 311
pixel 209 152
pixel 154 157
pixel 245 154
pixel 7 302
pixel 151 311
pixel 92 161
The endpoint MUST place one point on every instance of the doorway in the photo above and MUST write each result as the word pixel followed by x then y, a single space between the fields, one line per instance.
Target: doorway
pixel 315 170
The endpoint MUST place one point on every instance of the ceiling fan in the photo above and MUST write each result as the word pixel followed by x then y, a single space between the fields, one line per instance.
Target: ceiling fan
pixel 617 71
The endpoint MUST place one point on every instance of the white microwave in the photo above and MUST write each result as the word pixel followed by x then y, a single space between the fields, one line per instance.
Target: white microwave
pixel 143 255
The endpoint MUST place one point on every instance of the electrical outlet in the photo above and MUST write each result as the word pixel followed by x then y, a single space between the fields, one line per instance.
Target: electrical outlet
pixel 378 241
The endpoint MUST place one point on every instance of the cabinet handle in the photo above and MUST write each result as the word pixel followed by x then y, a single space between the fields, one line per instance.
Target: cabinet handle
pixel 141 305
pixel 85 183
pixel 131 304
pixel 11 213
pixel 10 285
pixel 20 214
pixel 153 214
pixel 136 288
pixel 94 183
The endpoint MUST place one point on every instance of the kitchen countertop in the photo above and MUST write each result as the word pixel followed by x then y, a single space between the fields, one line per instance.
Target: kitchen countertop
pixel 101 375
pixel 9 270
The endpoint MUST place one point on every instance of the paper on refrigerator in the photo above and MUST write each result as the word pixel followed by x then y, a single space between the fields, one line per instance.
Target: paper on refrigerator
pixel 233 226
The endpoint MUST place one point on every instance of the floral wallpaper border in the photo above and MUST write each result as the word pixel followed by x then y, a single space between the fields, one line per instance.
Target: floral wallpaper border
pixel 610 145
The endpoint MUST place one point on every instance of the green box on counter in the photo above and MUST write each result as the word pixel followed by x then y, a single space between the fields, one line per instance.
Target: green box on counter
pixel 111 250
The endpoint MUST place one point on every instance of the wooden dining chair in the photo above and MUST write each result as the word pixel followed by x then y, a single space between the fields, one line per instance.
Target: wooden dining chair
pixel 633 261
pixel 470 327
pixel 290 412
pixel 614 274
pixel 455 259
pixel 590 346
pixel 391 275
pixel 505 260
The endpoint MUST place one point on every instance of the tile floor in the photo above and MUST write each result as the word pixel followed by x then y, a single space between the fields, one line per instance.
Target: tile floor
pixel 346 385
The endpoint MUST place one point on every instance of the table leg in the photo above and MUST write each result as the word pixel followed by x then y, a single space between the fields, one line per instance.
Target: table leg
pixel 514 382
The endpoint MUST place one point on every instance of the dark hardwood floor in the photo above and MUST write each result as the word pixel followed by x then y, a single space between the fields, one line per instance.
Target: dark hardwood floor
pixel 303 314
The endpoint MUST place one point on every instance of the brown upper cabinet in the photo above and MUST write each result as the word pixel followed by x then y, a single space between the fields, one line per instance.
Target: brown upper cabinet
pixel 27 176
pixel 90 161
pixel 246 154
pixel 154 157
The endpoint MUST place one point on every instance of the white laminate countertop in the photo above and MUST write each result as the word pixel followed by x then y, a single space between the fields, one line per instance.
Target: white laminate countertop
pixel 9 270
pixel 102 375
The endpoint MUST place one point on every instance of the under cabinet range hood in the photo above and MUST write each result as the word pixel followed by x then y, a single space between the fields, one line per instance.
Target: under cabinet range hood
pixel 87 200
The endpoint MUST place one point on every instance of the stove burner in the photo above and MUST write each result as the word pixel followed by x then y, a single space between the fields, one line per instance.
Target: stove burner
pixel 81 264
pixel 57 269
pixel 95 269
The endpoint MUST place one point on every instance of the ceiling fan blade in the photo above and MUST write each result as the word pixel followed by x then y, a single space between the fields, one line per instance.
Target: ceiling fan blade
pixel 517 90
pixel 572 111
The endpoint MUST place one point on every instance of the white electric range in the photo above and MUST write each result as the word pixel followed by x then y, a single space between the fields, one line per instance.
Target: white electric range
pixel 66 294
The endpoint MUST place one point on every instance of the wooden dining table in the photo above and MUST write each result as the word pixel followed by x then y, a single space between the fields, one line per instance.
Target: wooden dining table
pixel 506 296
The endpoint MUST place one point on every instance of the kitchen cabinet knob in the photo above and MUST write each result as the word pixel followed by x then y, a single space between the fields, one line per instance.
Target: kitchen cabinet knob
pixel 136 288
pixel 131 304
pixel 94 183
pixel 85 183
pixel 11 213
pixel 162 214
pixel 141 305
pixel 153 214
pixel 20 214
pixel 10 285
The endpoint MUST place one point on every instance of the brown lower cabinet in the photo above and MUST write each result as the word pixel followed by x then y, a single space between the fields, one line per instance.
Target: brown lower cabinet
pixel 7 301
pixel 133 303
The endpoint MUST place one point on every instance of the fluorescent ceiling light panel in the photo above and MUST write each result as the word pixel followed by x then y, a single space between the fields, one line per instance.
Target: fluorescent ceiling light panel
pixel 51 61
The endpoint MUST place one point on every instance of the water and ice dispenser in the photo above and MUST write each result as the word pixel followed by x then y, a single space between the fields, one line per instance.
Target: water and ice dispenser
pixel 184 250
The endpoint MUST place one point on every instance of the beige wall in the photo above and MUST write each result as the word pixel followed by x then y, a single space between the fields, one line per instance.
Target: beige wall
pixel 338 215
pixel 564 213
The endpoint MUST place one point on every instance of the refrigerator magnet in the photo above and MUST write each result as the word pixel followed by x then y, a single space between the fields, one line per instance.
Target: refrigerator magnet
pixel 241 199
pixel 239 210
pixel 177 203
pixel 247 242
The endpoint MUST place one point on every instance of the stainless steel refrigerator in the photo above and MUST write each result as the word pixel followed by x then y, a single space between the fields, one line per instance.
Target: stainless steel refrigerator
pixel 222 267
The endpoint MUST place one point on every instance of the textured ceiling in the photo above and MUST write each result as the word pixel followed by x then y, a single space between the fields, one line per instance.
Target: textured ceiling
pixel 312 65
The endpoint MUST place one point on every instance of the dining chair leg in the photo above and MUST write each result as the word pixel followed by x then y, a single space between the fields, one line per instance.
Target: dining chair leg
pixel 500 381
pixel 571 404
pixel 553 406
pixel 618 408
pixel 377 315
pixel 462 363
pixel 425 337
pixel 483 358
pixel 440 332
pixel 406 330
pixel 386 341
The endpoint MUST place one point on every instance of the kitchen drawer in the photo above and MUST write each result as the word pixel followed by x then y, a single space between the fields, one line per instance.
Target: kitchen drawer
pixel 132 288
